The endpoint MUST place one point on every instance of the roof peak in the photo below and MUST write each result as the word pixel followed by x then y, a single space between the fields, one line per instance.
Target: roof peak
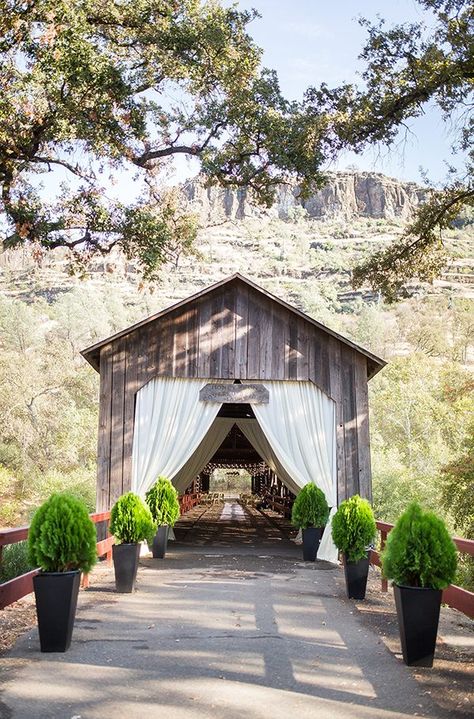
pixel 92 353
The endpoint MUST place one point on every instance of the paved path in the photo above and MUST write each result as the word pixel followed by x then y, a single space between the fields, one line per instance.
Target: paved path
pixel 232 625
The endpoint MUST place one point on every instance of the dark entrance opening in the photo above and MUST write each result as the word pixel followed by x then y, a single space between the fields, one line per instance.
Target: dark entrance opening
pixel 231 513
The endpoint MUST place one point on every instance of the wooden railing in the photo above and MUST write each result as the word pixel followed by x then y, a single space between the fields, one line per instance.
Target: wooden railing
pixel 282 505
pixel 453 596
pixel 20 586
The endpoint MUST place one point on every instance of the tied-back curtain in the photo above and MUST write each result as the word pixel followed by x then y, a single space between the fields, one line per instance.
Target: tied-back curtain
pixel 217 433
pixel 299 424
pixel 170 423
pixel 254 433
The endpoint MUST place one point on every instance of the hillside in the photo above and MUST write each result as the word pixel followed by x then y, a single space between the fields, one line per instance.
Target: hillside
pixel 301 240
pixel 302 252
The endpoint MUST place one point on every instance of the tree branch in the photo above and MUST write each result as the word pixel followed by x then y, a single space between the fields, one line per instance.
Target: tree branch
pixel 195 150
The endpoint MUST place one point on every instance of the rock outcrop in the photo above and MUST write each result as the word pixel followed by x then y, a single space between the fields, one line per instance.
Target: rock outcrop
pixel 347 195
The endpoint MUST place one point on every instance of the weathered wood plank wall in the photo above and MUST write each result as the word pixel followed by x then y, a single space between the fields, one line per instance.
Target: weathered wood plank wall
pixel 234 332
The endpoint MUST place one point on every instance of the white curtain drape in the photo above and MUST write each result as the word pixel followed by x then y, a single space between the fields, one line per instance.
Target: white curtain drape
pixel 170 424
pixel 299 424
pixel 295 435
pixel 254 433
pixel 218 431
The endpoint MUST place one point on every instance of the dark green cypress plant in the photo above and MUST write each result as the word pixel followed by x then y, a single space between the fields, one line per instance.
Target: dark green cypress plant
pixel 162 499
pixel 62 536
pixel 419 551
pixel 131 520
pixel 353 528
pixel 310 508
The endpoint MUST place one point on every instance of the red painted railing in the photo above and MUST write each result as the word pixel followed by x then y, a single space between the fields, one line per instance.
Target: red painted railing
pixel 453 596
pixel 20 586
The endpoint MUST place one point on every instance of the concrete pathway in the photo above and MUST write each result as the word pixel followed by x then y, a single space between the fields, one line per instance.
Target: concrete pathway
pixel 241 629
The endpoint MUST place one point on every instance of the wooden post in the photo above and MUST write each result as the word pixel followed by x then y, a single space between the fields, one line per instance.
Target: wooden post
pixel 383 539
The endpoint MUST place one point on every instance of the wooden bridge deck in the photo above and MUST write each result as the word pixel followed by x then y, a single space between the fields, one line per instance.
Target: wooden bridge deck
pixel 232 623
pixel 239 526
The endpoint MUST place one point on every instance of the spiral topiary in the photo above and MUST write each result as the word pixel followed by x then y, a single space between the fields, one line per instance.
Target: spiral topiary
pixel 131 520
pixel 419 551
pixel 310 508
pixel 353 528
pixel 62 536
pixel 162 499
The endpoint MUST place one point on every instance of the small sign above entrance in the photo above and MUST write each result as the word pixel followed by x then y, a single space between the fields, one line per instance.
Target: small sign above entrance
pixel 234 393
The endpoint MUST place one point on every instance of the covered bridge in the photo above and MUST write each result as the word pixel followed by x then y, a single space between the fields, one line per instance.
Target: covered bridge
pixel 232 370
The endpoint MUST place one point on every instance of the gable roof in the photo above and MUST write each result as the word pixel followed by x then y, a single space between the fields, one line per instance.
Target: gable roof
pixel 92 353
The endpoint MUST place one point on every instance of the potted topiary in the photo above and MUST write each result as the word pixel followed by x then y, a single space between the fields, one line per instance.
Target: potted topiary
pixel 310 513
pixel 353 530
pixel 62 543
pixel 130 523
pixel 162 499
pixel 420 557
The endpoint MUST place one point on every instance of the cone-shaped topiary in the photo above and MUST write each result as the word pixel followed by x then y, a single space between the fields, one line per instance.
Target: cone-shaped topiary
pixel 353 528
pixel 62 536
pixel 310 508
pixel 131 520
pixel 419 551
pixel 162 500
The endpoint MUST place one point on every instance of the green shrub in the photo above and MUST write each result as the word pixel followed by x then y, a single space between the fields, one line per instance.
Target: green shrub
pixel 310 508
pixel 131 520
pixel 62 536
pixel 419 551
pixel 14 561
pixel 162 499
pixel 353 528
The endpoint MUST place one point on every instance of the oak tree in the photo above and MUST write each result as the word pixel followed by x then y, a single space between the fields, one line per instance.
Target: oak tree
pixel 93 93
pixel 408 69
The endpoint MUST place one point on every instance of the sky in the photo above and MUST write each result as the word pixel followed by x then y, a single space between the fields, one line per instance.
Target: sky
pixel 309 42
pixel 313 41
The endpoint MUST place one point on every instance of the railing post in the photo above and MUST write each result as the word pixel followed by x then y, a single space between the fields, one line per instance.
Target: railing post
pixel 383 539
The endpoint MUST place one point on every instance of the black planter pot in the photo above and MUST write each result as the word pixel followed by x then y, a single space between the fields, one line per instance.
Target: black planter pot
pixel 418 617
pixel 356 574
pixel 311 540
pixel 125 564
pixel 56 602
pixel 160 542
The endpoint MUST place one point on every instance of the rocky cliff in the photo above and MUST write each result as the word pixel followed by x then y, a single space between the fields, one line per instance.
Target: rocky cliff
pixel 347 195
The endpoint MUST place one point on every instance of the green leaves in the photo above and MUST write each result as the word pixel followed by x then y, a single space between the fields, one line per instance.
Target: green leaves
pixel 130 520
pixel 420 251
pixel 62 536
pixel 162 499
pixel 419 551
pixel 457 482
pixel 407 68
pixel 89 89
pixel 353 528
pixel 310 508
